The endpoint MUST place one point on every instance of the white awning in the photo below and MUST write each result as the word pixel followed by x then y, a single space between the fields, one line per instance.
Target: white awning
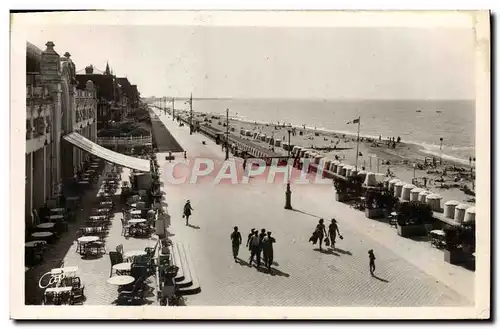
pixel 111 156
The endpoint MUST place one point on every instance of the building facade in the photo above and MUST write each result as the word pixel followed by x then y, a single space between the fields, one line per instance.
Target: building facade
pixel 54 108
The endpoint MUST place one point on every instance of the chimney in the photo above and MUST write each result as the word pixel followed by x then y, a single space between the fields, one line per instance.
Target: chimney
pixel 89 69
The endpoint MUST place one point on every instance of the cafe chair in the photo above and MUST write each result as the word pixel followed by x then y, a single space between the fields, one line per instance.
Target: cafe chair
pixel 137 292
pixel 116 258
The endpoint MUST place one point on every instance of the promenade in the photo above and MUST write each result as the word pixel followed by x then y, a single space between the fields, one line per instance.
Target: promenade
pixel 409 273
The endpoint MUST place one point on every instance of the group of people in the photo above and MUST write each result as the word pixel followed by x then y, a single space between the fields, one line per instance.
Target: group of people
pixel 260 246
pixel 330 237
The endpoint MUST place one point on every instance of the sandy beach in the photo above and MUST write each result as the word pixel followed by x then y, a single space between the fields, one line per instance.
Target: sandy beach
pixel 374 155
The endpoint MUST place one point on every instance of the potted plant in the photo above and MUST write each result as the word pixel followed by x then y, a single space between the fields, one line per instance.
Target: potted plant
pixel 453 252
pixel 355 185
pixel 412 217
pixel 373 204
pixel 340 186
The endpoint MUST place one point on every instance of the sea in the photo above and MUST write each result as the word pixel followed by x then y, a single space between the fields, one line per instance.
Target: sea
pixel 421 122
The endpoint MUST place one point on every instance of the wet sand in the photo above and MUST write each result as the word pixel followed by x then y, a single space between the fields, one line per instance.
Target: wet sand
pixel 375 155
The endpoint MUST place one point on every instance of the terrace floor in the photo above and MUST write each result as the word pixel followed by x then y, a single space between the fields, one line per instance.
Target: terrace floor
pixel 93 272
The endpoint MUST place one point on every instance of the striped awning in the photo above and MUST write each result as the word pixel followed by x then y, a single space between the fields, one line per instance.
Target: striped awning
pixel 111 156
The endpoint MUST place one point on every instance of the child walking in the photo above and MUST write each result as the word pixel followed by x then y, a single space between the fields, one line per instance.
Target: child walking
pixel 371 255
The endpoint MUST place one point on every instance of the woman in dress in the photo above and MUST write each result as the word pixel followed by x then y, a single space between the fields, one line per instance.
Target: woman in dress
pixel 320 232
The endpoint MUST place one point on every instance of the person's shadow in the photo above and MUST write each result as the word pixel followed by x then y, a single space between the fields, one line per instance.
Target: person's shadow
pixel 343 252
pixel 379 278
pixel 194 226
pixel 273 272
pixel 327 251
pixel 242 262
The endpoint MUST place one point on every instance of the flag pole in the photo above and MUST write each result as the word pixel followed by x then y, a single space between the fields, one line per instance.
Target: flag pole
pixel 357 144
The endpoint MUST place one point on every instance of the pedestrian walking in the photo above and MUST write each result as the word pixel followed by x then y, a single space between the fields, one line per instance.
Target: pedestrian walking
pixel 185 155
pixel 255 248
pixel 235 242
pixel 320 232
pixel 248 240
pixel 262 235
pixel 244 164
pixel 267 246
pixel 333 229
pixel 187 211
pixel 371 255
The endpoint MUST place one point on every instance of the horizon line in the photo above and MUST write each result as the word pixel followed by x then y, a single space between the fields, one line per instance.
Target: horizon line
pixel 310 98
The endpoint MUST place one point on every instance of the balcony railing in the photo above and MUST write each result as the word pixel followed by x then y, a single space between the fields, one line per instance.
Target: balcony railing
pixel 141 140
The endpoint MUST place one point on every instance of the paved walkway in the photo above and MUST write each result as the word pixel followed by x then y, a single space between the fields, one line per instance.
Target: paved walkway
pixel 93 272
pixel 409 273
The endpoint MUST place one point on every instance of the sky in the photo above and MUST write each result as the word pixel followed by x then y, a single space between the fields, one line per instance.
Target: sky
pixel 276 62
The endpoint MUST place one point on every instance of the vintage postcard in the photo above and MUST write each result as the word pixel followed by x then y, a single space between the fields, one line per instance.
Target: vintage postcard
pixel 250 165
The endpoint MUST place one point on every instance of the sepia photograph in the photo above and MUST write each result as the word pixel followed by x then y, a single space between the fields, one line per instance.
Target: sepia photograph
pixel 250 165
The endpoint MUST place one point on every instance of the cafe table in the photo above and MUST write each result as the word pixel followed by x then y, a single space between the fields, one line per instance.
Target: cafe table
pixel 56 217
pixel 42 234
pixel 58 210
pixel 121 280
pixel 122 267
pixel 46 225
pixel 31 244
pixel 88 238
pixel 67 270
pixel 134 221
pixel 136 212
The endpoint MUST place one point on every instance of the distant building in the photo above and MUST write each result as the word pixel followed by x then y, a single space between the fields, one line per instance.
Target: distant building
pixel 106 89
pixel 54 108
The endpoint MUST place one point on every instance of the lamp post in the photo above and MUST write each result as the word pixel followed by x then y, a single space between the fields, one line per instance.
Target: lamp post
pixel 288 193
pixel 441 151
pixel 173 108
pixel 227 134
pixel 191 114
pixel 414 171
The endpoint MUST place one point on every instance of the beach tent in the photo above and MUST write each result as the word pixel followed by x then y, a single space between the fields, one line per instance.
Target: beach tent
pixel 340 166
pixel 449 208
pixel 263 137
pixel 277 143
pixel 405 194
pixel 370 179
pixel 414 193
pixel 470 215
pixel 333 166
pixel 327 163
pixel 248 133
pixel 460 212
pixel 422 196
pixel 434 200
pixel 317 158
pixel 392 183
pixel 398 189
